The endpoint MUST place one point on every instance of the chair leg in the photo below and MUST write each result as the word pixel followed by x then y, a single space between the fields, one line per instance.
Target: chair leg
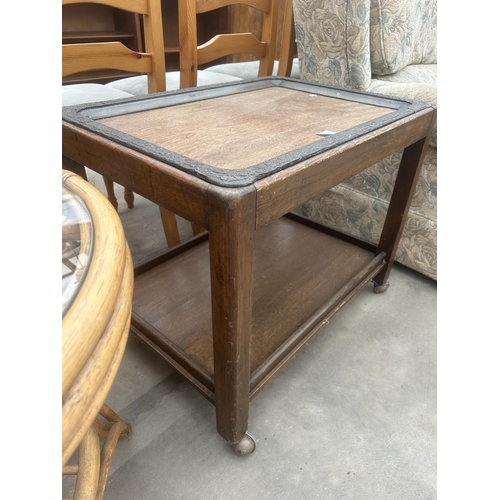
pixel 128 194
pixel 170 227
pixel 110 189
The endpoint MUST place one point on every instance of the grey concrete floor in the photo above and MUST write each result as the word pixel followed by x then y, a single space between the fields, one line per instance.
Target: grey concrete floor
pixel 352 416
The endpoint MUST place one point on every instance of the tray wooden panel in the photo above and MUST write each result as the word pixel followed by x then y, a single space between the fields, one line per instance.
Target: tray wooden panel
pixel 296 270
pixel 243 132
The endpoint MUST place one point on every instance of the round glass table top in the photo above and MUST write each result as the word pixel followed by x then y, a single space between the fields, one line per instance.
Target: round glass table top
pixel 77 245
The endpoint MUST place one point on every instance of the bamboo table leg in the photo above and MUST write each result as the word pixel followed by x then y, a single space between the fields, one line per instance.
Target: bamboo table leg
pixel 231 230
pixel 93 461
pixel 87 470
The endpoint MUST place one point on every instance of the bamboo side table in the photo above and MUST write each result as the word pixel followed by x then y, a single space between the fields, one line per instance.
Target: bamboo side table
pixel 229 308
pixel 97 284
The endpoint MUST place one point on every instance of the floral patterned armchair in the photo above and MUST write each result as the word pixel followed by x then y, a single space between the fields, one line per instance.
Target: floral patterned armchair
pixel 386 47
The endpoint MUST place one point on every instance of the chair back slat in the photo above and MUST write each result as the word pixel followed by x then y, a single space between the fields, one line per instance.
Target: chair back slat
pixel 208 5
pixel 105 55
pixel 193 54
pixel 225 45
pixel 137 6
pixel 82 57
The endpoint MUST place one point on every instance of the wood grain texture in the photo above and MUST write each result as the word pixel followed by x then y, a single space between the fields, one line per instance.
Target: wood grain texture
pixel 99 290
pixel 244 18
pixel 207 5
pixel 404 188
pixel 109 55
pixel 95 326
pixel 231 228
pixel 87 479
pixel 223 45
pixel 281 192
pixel 285 352
pixel 248 128
pixel 154 42
pixel 115 55
pixel 287 46
pixel 139 6
pixel 183 194
pixel 289 286
pixel 94 461
pixel 194 52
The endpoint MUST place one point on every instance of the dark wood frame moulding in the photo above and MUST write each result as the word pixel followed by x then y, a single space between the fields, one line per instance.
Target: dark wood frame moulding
pixel 87 116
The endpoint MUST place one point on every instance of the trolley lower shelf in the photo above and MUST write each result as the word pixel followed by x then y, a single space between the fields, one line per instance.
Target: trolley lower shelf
pixel 302 276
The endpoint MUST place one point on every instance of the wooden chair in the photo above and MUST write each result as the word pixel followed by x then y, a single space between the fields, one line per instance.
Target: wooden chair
pixel 82 57
pixel 191 55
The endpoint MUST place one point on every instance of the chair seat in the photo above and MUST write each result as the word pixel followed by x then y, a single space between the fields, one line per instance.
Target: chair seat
pixel 138 85
pixel 81 93
pixel 249 69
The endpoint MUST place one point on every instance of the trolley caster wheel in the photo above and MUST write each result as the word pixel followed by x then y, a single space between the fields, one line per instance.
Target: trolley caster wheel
pixel 381 288
pixel 245 446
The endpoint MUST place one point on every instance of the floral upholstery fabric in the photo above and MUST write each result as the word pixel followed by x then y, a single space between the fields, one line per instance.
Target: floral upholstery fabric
pixel 413 90
pixel 351 212
pixel 349 208
pixel 377 182
pixel 349 42
pixel 415 73
pixel 402 32
pixel 333 41
pixel 386 47
pixel 359 205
